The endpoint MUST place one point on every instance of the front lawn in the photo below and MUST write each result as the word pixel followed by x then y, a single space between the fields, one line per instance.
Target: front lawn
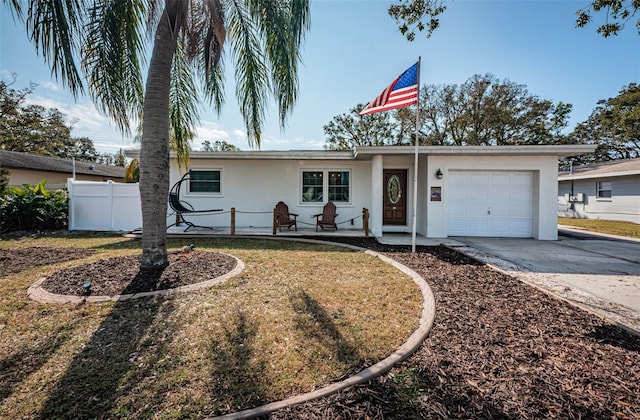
pixel 499 348
pixel 299 317
pixel 610 227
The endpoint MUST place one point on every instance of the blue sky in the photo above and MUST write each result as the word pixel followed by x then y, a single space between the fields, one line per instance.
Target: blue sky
pixel 354 50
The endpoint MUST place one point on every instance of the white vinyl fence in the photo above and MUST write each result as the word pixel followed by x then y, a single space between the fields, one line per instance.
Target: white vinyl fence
pixel 105 206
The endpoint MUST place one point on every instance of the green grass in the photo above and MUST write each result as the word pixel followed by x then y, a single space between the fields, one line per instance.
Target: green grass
pixel 611 227
pixel 299 317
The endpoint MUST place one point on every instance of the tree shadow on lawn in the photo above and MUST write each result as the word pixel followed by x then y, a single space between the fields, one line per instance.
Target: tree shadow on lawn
pixel 235 378
pixel 17 367
pixel 317 326
pixel 107 367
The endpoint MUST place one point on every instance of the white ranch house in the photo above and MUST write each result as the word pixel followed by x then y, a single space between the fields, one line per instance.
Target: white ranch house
pixel 603 190
pixel 493 191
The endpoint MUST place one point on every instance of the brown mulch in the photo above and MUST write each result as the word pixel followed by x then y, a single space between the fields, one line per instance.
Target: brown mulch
pixel 13 261
pixel 499 348
pixel 121 275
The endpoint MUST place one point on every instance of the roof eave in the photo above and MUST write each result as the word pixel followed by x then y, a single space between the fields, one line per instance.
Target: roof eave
pixel 555 150
pixel 262 155
pixel 597 175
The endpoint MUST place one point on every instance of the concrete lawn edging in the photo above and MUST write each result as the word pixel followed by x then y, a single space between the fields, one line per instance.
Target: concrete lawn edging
pixel 415 340
pixel 38 294
pixel 403 352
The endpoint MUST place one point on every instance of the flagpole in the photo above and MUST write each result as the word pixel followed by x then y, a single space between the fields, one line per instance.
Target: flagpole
pixel 415 168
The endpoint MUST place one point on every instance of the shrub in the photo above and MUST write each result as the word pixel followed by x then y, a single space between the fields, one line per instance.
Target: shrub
pixel 4 180
pixel 33 208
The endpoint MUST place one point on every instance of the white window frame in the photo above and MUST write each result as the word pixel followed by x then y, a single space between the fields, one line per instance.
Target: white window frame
pixel 205 193
pixel 325 186
pixel 604 187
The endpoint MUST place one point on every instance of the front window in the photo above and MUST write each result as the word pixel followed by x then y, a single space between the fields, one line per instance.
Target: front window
pixel 205 182
pixel 603 189
pixel 312 185
pixel 321 186
pixel 339 186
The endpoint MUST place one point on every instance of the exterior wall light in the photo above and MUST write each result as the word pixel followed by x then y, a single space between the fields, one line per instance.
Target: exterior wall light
pixel 439 174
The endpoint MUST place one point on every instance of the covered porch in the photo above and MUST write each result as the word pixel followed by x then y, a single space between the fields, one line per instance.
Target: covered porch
pixel 390 238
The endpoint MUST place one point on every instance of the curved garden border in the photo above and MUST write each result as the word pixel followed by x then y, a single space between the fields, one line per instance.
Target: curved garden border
pixel 403 352
pixel 37 293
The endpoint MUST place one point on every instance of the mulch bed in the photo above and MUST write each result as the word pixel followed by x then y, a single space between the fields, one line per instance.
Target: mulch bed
pixel 121 275
pixel 499 348
pixel 13 261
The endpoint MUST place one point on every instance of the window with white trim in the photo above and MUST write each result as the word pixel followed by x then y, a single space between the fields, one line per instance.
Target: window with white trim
pixel 321 186
pixel 207 182
pixel 339 182
pixel 603 189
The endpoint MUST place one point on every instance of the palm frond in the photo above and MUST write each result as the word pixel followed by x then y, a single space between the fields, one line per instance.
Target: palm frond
pixel 215 33
pixel 214 86
pixel 183 103
pixel 55 27
pixel 252 82
pixel 282 26
pixel 16 8
pixel 113 57
pixel 206 38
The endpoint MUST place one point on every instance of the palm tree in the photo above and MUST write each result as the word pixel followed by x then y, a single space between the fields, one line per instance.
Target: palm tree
pixel 107 38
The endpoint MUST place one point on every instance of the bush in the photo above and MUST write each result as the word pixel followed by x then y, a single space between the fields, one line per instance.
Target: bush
pixel 33 208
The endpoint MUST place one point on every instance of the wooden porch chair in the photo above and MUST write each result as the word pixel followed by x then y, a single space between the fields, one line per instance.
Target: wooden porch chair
pixel 284 218
pixel 327 219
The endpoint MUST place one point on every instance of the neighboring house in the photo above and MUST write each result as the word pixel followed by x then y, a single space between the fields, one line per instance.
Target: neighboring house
pixel 500 191
pixel 605 190
pixel 25 168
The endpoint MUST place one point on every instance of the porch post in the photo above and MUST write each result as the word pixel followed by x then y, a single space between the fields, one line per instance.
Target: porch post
pixel 375 216
pixel 365 222
pixel 233 220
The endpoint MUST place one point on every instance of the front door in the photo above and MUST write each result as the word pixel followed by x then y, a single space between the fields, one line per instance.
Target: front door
pixel 395 197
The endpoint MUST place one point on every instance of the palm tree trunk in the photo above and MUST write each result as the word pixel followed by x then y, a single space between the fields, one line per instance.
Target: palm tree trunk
pixel 154 151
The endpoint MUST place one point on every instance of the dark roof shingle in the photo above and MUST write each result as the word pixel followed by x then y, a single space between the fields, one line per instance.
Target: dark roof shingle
pixel 10 159
pixel 600 169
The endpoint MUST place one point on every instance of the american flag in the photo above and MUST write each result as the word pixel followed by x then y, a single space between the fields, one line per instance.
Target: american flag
pixel 402 92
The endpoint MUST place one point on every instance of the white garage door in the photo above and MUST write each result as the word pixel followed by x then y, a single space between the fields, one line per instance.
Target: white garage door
pixel 495 203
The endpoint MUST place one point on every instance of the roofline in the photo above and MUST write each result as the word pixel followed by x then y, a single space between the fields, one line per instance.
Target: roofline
pixel 58 165
pixel 568 177
pixel 263 155
pixel 365 152
pixel 557 150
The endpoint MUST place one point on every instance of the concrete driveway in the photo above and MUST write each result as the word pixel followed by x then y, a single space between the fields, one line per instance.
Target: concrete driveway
pixel 599 273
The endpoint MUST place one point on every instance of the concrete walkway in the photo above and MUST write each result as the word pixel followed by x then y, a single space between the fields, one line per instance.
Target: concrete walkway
pixel 597 272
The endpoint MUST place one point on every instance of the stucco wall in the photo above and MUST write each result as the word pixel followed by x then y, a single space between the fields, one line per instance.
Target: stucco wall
pixel 254 187
pixel 623 205
pixel 545 186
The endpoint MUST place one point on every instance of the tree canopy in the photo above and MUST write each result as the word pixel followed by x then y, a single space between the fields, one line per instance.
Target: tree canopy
pixel 31 128
pixel 219 146
pixel 349 130
pixel 413 16
pixel 614 125
pixel 482 111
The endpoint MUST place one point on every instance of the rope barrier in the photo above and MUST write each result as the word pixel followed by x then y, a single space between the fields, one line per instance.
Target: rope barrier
pixel 173 213
pixel 260 212
pixel 254 212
